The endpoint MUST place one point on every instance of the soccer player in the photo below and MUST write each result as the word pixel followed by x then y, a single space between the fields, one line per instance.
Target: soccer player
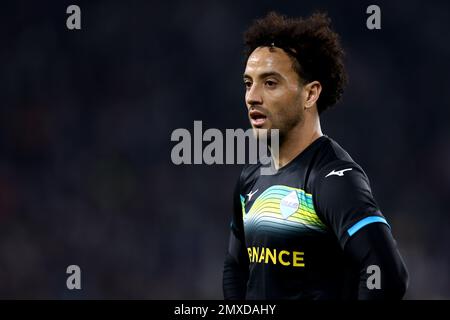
pixel 312 230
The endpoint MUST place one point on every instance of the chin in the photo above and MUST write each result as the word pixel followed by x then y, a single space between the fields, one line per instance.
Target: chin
pixel 262 132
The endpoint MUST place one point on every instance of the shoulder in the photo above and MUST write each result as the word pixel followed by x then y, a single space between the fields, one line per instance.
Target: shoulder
pixel 330 153
pixel 249 174
pixel 334 160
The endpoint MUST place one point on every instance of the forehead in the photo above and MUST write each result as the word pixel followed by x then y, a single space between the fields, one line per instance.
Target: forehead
pixel 264 59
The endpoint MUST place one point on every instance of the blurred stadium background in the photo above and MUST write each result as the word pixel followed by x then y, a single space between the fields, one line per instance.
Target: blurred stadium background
pixel 86 118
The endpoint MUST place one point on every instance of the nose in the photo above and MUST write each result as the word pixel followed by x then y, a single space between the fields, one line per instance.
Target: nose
pixel 253 96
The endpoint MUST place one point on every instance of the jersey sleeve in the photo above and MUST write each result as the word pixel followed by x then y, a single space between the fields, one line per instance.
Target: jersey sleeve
pixel 375 247
pixel 237 223
pixel 235 272
pixel 344 200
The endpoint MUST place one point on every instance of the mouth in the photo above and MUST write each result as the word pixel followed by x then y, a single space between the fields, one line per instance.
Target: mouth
pixel 257 118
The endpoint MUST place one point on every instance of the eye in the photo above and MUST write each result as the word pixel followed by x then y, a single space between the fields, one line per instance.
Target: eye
pixel 270 83
pixel 247 84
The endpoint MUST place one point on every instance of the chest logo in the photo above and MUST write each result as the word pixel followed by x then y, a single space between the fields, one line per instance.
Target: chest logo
pixel 250 195
pixel 289 204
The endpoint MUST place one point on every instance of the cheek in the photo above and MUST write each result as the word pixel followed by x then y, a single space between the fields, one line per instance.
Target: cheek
pixel 288 102
pixel 283 103
pixel 289 110
pixel 276 99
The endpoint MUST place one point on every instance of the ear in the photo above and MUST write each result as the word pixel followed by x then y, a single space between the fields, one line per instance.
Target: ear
pixel 312 92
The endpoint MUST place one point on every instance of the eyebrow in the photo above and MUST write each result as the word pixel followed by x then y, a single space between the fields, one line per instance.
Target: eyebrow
pixel 264 75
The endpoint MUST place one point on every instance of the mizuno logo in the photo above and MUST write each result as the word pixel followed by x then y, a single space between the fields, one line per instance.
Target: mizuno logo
pixel 250 195
pixel 339 173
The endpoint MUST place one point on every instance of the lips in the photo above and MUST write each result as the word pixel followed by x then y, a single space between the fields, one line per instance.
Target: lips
pixel 257 118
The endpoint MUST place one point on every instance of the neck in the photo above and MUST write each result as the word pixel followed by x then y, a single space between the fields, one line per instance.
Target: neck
pixel 297 140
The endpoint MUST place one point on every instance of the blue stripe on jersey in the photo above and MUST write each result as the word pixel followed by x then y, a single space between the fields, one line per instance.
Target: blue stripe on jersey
pixel 364 222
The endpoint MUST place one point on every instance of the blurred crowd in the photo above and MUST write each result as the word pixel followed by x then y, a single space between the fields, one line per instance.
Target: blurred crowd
pixel 86 117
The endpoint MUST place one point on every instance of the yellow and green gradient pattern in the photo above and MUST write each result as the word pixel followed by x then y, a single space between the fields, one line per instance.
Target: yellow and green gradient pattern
pixel 283 210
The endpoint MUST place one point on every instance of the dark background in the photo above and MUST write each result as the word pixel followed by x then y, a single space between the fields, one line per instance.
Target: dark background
pixel 86 116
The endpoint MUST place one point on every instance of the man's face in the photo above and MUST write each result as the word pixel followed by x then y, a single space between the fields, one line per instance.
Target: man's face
pixel 273 92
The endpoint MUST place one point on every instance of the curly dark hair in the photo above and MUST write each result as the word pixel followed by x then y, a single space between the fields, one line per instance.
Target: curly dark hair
pixel 314 47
